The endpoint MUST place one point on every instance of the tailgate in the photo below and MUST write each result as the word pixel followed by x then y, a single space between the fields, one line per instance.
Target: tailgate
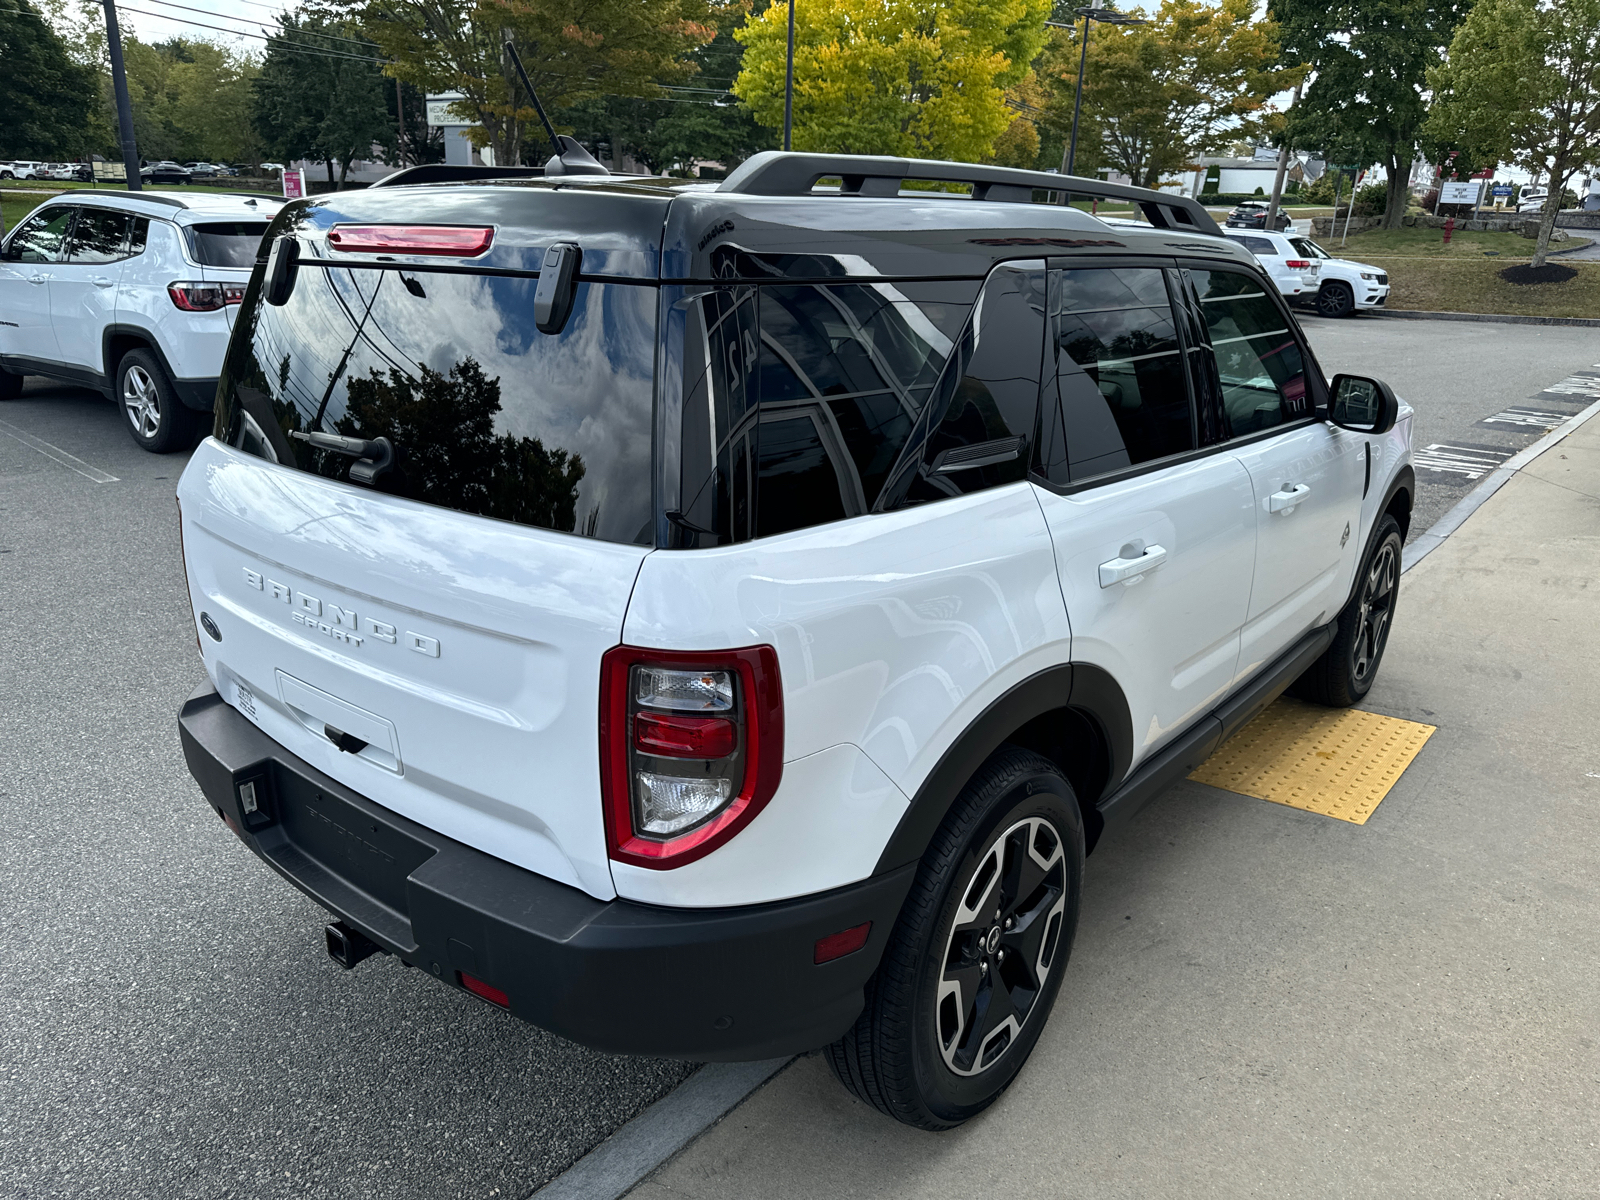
pixel 463 654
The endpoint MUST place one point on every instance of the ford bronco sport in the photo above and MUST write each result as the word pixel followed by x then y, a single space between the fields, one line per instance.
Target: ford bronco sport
pixel 718 622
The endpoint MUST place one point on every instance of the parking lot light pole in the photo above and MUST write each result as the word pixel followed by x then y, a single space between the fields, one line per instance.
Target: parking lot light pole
pixel 1106 16
pixel 119 82
pixel 788 86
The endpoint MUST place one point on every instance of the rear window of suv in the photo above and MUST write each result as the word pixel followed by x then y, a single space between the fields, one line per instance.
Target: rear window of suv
pixel 486 414
pixel 227 243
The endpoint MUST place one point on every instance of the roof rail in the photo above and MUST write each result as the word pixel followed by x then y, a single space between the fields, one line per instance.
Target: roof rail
pixel 448 173
pixel 775 173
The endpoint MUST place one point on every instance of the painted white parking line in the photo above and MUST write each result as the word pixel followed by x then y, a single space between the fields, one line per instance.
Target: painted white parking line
pixel 1527 418
pixel 1474 462
pixel 57 454
pixel 1577 385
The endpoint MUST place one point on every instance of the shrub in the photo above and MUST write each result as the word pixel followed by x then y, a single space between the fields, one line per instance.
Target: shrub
pixel 1371 200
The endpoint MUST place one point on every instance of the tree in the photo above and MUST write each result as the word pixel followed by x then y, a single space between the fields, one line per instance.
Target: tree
pixel 1158 96
pixel 45 96
pixel 1521 84
pixel 572 49
pixel 907 77
pixel 1369 91
pixel 191 100
pixel 314 105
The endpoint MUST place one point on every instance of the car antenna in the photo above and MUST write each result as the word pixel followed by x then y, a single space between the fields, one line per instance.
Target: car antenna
pixel 570 157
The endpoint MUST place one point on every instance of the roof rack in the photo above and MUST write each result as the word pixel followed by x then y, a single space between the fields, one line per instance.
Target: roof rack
pixel 775 173
pixel 448 173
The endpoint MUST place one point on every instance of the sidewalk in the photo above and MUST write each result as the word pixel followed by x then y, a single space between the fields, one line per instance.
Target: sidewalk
pixel 1264 1002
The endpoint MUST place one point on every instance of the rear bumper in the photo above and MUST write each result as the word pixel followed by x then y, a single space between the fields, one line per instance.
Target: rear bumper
pixel 198 394
pixel 724 984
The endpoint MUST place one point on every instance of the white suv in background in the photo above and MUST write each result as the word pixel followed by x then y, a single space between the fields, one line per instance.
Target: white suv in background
pixel 1294 273
pixel 718 623
pixel 1344 286
pixel 130 293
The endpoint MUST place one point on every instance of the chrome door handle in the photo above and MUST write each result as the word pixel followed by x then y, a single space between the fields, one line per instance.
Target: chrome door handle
pixel 38 279
pixel 1131 570
pixel 1285 500
pixel 102 282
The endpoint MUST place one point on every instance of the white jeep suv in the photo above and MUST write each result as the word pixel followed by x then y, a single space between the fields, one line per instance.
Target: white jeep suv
pixel 132 294
pixel 1295 273
pixel 1344 286
pixel 718 623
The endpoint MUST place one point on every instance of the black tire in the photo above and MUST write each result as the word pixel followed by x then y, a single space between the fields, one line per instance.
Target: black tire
pixel 1335 299
pixel 10 385
pixel 154 416
pixel 1344 673
pixel 916 1052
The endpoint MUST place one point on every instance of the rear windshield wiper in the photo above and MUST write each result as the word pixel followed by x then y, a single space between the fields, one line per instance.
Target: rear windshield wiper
pixel 374 456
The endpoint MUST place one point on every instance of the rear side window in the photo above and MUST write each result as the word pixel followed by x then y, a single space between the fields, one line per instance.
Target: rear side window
pixel 1309 248
pixel 226 243
pixel 41 237
pixel 798 399
pixel 1259 363
pixel 99 236
pixel 485 414
pixel 1120 396
pixel 1258 245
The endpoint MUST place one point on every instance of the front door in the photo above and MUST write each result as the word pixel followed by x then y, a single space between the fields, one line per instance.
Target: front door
pixel 25 271
pixel 1154 538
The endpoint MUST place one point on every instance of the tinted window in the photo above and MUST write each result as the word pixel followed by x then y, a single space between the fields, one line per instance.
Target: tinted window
pixel 487 415
pixel 800 398
pixel 227 243
pixel 40 238
pixel 1309 248
pixel 98 237
pixel 1257 245
pixel 1259 364
pixel 1119 395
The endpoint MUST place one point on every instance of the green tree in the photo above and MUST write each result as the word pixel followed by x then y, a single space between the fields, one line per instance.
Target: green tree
pixel 46 98
pixel 1158 96
pixel 315 105
pixel 1369 91
pixel 907 77
pixel 1521 84
pixel 572 49
pixel 191 100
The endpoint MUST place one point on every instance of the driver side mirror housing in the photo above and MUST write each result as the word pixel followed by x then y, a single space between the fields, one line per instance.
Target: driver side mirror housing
pixel 1362 405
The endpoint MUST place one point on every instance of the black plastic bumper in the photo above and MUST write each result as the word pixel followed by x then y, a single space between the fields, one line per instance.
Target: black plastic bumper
pixel 198 394
pixel 724 984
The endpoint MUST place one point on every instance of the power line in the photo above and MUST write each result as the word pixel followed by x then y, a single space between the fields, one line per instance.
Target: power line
pixel 206 12
pixel 283 43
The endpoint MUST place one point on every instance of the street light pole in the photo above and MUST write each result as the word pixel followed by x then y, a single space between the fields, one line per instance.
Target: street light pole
pixel 1106 16
pixel 119 83
pixel 788 87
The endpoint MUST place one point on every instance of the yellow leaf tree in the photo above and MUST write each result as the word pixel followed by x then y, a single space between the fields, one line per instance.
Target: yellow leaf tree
pixel 917 78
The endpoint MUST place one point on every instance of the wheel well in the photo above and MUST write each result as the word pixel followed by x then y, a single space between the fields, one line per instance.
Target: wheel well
pixel 1073 740
pixel 117 345
pixel 1400 509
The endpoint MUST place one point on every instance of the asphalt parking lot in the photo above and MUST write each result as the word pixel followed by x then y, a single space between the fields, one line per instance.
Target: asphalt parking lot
pixel 170 1025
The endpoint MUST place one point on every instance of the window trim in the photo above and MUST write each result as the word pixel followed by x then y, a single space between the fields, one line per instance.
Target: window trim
pixel 72 209
pixel 126 252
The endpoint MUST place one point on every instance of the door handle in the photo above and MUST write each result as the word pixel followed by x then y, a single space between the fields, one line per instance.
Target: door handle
pixel 1131 570
pixel 1286 500
pixel 102 282
pixel 38 279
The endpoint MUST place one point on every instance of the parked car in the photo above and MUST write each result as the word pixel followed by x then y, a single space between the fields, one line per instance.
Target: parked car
pixel 201 170
pixel 130 293
pixel 1343 286
pixel 727 643
pixel 1295 273
pixel 78 172
pixel 272 166
pixel 23 168
pixel 1533 201
pixel 165 171
pixel 1252 214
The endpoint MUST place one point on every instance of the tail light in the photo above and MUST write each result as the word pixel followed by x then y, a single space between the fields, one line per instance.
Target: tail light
pixel 457 241
pixel 205 297
pixel 691 749
pixel 1297 264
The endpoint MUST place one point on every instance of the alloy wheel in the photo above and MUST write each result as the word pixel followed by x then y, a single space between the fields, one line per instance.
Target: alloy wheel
pixel 1002 946
pixel 1377 607
pixel 142 401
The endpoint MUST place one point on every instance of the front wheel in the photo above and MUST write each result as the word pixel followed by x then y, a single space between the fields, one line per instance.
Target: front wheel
pixel 1345 672
pixel 976 958
pixel 1336 300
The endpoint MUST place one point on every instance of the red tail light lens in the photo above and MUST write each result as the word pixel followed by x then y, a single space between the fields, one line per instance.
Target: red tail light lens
pixel 487 990
pixel 205 297
pixel 691 747
pixel 1297 264
pixel 456 241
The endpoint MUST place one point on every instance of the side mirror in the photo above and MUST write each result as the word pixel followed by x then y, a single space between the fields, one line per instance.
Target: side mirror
pixel 1363 405
pixel 283 262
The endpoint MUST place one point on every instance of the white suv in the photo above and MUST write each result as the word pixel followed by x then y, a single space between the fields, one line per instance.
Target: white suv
pixel 1294 273
pixel 718 623
pixel 130 293
pixel 1344 286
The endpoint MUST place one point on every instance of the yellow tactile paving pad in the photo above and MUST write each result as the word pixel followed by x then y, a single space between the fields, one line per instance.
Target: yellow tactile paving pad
pixel 1336 762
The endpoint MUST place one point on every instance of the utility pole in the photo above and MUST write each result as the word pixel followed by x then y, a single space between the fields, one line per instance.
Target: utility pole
pixel 788 87
pixel 1271 222
pixel 119 82
pixel 400 112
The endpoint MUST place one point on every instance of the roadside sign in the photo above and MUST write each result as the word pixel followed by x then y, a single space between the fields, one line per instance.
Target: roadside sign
pixel 109 171
pixel 1466 192
pixel 437 106
pixel 1502 191
pixel 294 184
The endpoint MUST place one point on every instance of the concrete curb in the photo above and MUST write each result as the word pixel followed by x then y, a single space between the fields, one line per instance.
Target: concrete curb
pixel 618 1164
pixel 1497 479
pixel 1493 318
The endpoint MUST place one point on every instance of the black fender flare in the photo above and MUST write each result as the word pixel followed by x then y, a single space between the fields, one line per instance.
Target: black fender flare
pixel 115 330
pixel 1405 480
pixel 1083 687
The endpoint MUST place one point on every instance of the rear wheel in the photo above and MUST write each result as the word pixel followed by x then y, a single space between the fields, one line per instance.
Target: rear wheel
pixel 976 958
pixel 156 417
pixel 1344 673
pixel 1336 300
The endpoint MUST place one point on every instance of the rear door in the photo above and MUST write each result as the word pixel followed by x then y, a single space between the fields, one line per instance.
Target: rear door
pixel 449 616
pixel 1153 530
pixel 83 293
